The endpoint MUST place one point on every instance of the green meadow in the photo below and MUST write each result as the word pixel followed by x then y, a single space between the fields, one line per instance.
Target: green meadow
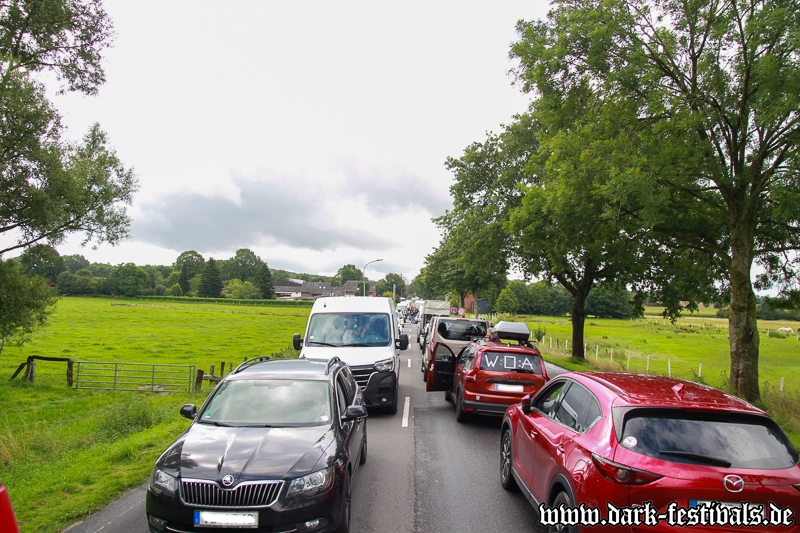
pixel 65 453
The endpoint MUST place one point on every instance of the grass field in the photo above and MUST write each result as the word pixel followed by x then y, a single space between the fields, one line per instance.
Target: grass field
pixel 65 453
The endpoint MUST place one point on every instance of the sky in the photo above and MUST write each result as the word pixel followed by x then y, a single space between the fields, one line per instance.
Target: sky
pixel 313 133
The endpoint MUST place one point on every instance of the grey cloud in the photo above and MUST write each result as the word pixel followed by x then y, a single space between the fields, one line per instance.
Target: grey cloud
pixel 286 211
pixel 393 191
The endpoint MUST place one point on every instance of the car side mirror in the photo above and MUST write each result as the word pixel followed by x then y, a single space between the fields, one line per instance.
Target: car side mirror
pixel 402 342
pixel 189 411
pixel 526 404
pixel 297 342
pixel 354 412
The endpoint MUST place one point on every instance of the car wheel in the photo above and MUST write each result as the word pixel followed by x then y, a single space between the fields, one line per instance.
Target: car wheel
pixel 506 460
pixel 344 521
pixel 447 397
pixel 424 373
pixel 562 499
pixel 461 414
pixel 363 456
pixel 392 409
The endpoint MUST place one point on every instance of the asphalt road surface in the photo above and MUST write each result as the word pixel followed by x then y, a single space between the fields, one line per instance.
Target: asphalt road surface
pixel 425 472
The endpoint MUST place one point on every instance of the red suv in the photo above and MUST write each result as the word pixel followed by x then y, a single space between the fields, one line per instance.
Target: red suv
pixel 488 376
pixel 673 453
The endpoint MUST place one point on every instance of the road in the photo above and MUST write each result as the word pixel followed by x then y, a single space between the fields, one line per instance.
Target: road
pixel 425 472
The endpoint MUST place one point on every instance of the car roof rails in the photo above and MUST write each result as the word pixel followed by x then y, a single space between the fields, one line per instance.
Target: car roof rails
pixel 254 360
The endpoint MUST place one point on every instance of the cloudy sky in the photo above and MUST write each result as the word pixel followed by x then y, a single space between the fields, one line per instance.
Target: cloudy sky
pixel 313 133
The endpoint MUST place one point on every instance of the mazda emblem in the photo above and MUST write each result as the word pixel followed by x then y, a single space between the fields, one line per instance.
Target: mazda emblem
pixel 733 483
pixel 227 481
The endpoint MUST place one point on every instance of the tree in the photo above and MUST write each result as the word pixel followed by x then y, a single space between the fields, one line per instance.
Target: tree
pixel 192 261
pixel 131 279
pixel 25 303
pixel 521 294
pixel 392 281
pixel 244 265
pixel 539 298
pixel 42 260
pixel 210 281
pixel 609 302
pixel 50 188
pixel 75 262
pixel 183 279
pixel 348 273
pixel 507 302
pixel 714 90
pixel 263 282
pixel 237 289
pixel 175 290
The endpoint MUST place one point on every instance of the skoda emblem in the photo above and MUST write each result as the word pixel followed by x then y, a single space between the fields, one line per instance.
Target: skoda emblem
pixel 731 483
pixel 227 481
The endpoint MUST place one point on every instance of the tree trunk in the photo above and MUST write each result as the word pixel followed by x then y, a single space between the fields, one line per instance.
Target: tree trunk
pixel 742 323
pixel 578 321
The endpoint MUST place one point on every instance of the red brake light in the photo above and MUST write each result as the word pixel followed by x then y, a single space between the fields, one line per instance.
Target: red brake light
pixel 622 474
pixel 472 375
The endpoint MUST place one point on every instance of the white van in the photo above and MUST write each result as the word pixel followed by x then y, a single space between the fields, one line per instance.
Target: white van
pixel 362 332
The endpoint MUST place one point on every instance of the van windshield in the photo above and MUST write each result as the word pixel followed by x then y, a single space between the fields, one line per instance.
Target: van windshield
pixel 348 329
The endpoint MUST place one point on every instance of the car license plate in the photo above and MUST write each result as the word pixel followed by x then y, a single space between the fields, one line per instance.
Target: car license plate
pixel 508 388
pixel 231 519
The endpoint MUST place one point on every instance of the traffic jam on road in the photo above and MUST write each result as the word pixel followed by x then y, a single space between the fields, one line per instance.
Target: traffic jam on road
pixel 277 445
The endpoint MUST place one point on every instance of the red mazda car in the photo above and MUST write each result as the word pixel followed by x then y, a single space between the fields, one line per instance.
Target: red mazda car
pixel 487 376
pixel 649 453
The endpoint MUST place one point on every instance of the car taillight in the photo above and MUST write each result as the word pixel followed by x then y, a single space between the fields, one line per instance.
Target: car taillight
pixel 622 474
pixel 472 375
pixel 797 486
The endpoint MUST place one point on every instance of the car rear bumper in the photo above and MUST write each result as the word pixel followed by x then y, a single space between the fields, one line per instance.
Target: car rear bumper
pixel 486 408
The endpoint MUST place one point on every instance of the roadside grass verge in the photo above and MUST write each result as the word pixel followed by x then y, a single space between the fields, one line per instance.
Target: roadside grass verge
pixel 65 453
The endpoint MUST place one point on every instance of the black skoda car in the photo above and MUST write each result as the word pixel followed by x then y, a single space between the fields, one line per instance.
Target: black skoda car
pixel 274 448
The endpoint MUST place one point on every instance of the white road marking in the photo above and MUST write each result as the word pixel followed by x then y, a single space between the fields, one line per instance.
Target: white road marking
pixel 405 411
pixel 409 362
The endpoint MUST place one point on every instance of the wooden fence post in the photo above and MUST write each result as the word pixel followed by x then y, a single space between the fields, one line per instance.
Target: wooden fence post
pixel 70 364
pixel 30 372
pixel 211 371
pixel 198 383
pixel 222 369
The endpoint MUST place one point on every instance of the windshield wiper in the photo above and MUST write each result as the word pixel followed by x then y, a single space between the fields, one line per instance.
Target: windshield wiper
pixel 715 461
pixel 218 424
pixel 356 344
pixel 323 343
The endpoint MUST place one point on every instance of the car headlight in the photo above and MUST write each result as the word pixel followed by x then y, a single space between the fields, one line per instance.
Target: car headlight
pixel 387 365
pixel 312 484
pixel 163 483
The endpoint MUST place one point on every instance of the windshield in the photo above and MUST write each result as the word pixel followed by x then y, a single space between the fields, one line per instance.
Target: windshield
pixel 461 330
pixel 735 441
pixel 268 402
pixel 348 329
pixel 509 362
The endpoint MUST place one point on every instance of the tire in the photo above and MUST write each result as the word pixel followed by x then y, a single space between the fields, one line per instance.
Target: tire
pixel 562 498
pixel 506 460
pixel 461 415
pixel 344 521
pixel 392 409
pixel 447 397
pixel 362 457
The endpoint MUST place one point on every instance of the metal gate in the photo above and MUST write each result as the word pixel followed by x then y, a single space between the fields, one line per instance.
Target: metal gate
pixel 139 377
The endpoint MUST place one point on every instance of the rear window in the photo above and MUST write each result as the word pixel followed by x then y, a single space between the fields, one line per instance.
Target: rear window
pixel 461 330
pixel 729 441
pixel 509 362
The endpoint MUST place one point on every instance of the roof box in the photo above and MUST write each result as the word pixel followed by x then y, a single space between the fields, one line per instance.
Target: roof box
pixel 511 331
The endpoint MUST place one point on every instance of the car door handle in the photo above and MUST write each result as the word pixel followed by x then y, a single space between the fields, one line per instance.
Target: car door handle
pixel 560 448
pixel 534 433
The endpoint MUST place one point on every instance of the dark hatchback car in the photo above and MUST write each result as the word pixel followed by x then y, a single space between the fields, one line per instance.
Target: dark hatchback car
pixel 639 442
pixel 274 448
pixel 488 376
